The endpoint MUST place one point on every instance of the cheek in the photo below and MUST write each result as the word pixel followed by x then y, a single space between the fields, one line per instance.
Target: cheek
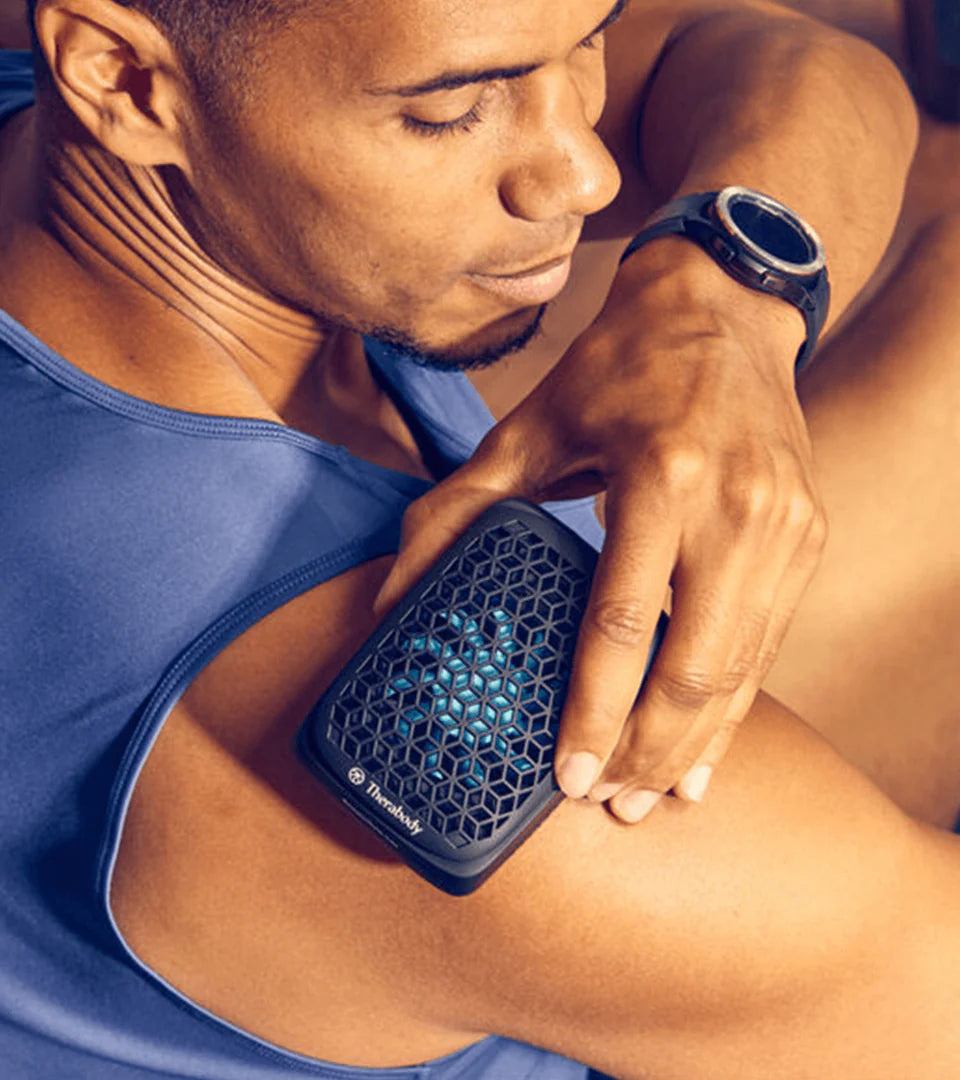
pixel 388 200
pixel 384 246
pixel 432 231
pixel 346 224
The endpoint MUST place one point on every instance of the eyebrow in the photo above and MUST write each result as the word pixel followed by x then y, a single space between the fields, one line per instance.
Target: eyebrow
pixel 452 80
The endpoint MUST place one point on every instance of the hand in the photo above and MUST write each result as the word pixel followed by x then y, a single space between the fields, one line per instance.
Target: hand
pixel 679 402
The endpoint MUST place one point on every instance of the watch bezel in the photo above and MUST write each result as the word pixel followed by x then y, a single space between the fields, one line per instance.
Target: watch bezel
pixel 722 206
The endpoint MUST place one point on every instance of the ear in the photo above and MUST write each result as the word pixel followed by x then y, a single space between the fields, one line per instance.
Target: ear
pixel 118 75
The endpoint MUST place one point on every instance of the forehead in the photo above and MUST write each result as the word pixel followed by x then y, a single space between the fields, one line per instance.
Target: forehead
pixel 383 43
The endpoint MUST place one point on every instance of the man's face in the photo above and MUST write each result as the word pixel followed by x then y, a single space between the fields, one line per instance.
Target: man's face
pixel 345 185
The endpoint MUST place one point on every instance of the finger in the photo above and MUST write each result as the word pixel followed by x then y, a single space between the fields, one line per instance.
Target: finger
pixel 704 658
pixel 795 582
pixel 614 637
pixel 633 804
pixel 693 786
pixel 689 751
pixel 696 756
pixel 711 735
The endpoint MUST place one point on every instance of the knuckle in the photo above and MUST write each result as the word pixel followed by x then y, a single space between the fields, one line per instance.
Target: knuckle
pixel 728 727
pixel 680 464
pixel 818 532
pixel 800 510
pixel 752 629
pixel 749 501
pixel 767 655
pixel 687 688
pixel 742 667
pixel 753 626
pixel 620 622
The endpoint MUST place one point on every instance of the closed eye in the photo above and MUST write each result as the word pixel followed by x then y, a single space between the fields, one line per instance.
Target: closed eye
pixel 462 124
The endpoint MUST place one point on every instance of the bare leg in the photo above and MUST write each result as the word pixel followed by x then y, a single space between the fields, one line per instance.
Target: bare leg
pixel 873 657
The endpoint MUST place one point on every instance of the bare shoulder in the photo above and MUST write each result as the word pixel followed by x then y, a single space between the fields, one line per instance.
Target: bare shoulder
pixel 241 881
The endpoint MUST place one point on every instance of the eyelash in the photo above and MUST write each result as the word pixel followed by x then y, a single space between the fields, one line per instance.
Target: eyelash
pixel 462 124
pixel 465 124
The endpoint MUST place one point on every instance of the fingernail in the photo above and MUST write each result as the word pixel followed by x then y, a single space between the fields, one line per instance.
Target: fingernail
pixel 577 774
pixel 602 792
pixel 637 805
pixel 694 785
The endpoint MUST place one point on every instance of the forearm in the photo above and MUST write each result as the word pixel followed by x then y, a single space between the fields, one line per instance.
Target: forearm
pixel 816 118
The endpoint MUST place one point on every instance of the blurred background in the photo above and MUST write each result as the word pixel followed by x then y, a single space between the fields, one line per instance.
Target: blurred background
pixel 923 37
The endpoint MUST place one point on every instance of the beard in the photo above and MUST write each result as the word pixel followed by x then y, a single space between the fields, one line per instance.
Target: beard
pixel 461 357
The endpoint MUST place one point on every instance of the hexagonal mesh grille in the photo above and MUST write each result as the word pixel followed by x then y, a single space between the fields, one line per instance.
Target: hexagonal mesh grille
pixel 475 675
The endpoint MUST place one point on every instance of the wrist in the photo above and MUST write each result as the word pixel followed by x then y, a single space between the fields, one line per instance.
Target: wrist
pixel 684 289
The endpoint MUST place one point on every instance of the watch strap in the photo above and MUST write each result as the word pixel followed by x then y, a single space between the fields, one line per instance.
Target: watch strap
pixel 688 216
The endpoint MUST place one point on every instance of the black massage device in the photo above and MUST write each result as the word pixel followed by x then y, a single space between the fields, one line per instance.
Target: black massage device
pixel 439 733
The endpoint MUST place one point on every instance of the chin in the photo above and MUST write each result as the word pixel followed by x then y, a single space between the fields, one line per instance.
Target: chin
pixel 480 349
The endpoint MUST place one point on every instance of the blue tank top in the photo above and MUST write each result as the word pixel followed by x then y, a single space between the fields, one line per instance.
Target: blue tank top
pixel 137 541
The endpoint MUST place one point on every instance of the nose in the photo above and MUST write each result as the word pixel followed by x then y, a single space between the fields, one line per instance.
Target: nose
pixel 561 166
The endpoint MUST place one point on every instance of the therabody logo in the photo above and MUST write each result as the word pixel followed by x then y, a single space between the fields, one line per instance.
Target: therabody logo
pixel 395 810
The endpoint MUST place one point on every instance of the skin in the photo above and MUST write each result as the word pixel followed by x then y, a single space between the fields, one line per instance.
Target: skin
pixel 734 940
pixel 710 487
pixel 275 296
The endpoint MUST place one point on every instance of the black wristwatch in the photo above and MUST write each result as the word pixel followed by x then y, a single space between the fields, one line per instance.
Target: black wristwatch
pixel 758 241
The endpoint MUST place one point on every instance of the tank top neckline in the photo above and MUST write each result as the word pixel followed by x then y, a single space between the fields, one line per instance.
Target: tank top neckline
pixel 443 445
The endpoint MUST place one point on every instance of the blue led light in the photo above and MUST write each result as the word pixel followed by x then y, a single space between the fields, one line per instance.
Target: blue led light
pixel 465 722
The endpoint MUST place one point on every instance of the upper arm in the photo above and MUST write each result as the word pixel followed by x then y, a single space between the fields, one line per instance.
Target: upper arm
pixel 780 930
pixel 636 46
pixel 704 942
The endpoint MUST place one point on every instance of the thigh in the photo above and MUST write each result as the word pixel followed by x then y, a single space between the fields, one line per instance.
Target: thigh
pixel 871 659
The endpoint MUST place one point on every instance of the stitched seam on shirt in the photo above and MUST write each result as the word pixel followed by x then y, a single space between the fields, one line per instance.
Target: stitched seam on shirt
pixel 164 697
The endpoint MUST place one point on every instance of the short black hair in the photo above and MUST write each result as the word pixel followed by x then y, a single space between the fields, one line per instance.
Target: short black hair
pixel 212 37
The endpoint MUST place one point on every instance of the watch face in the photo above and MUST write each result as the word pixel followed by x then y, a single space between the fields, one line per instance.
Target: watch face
pixel 770 230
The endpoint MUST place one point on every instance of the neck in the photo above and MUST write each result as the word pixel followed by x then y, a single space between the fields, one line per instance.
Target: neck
pixel 98 264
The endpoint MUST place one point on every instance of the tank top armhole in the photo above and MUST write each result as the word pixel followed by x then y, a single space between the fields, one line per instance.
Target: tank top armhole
pixel 485 1058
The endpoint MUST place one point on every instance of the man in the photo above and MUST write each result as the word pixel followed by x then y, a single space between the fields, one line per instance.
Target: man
pixel 224 199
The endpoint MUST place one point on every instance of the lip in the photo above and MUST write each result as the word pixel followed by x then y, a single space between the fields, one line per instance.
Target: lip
pixel 536 285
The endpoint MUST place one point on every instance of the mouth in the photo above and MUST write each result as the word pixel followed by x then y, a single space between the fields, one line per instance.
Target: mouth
pixel 536 285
